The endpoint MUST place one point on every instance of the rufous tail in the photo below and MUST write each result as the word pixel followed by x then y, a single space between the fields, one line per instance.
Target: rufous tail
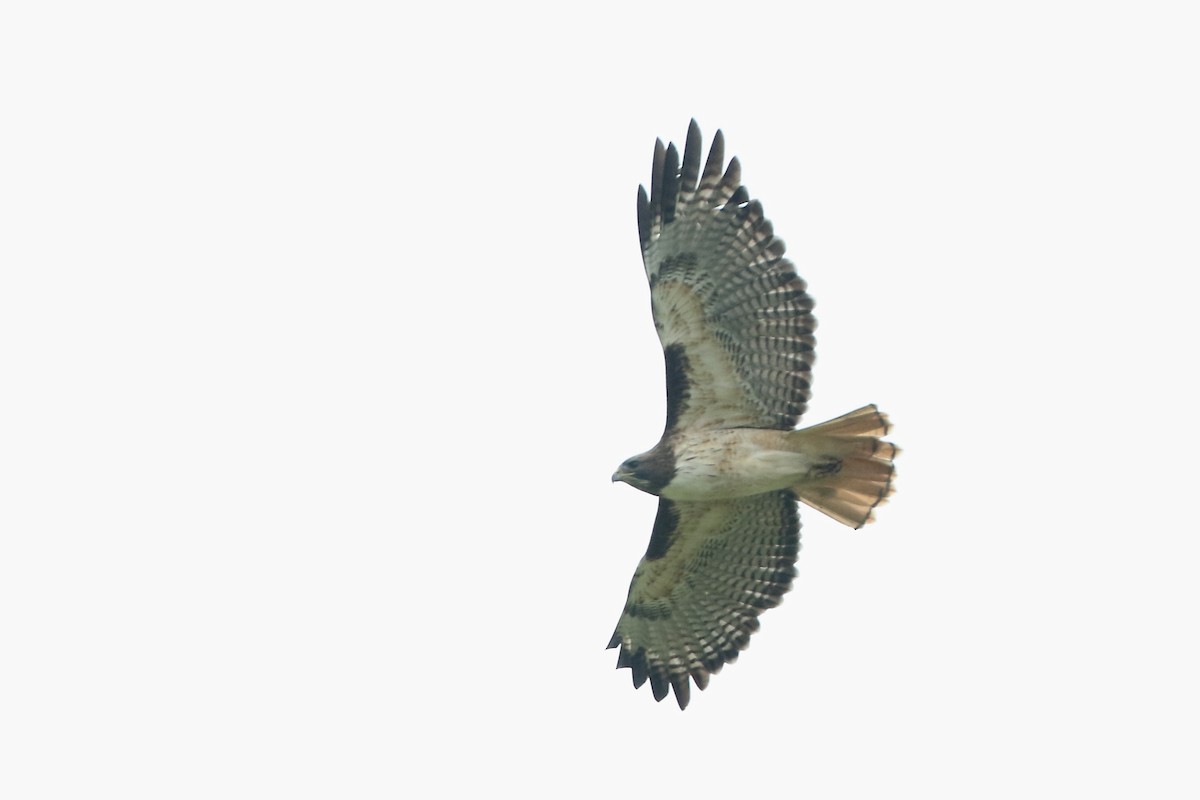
pixel 862 476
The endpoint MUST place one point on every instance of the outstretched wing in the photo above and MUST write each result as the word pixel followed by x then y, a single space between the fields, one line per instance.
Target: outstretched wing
pixel 710 570
pixel 734 319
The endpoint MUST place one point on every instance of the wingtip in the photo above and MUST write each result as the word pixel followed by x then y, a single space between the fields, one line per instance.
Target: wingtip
pixel 645 216
pixel 733 172
pixel 716 157
pixel 670 183
pixel 659 685
pixel 682 686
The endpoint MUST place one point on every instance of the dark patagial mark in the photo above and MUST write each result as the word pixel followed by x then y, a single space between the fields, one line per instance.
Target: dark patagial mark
pixel 677 384
pixel 664 530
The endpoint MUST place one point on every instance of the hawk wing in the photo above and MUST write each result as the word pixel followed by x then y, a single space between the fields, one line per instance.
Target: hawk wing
pixel 710 570
pixel 734 319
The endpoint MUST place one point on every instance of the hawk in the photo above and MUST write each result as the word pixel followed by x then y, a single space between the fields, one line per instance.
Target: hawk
pixel 736 327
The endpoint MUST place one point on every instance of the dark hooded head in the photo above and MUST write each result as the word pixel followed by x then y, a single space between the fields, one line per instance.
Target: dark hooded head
pixel 651 471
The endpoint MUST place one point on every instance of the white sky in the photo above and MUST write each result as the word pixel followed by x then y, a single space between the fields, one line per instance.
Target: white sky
pixel 322 327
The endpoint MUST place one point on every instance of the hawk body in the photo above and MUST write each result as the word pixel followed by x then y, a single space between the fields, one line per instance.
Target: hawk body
pixel 725 464
pixel 736 326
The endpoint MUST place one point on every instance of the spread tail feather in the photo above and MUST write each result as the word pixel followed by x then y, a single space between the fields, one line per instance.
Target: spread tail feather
pixel 863 474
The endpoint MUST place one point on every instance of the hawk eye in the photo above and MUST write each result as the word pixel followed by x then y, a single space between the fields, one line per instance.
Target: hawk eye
pixel 634 463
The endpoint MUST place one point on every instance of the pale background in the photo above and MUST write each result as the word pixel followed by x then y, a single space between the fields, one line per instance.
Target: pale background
pixel 322 327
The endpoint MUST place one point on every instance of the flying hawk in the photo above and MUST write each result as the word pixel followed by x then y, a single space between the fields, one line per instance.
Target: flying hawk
pixel 736 327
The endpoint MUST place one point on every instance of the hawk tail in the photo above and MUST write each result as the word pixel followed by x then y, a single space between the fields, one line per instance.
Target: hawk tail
pixel 863 475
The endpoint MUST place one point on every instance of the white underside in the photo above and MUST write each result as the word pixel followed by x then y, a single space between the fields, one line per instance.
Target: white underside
pixel 726 464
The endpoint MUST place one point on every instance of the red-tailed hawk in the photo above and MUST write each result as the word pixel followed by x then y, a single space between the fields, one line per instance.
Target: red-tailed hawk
pixel 736 328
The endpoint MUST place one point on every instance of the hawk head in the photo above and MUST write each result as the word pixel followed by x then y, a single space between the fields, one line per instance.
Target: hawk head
pixel 651 471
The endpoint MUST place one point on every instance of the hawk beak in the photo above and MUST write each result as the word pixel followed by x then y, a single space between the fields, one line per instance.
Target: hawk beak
pixel 616 477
